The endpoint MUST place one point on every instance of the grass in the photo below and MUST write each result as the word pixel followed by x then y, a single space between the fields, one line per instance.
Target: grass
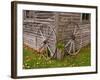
pixel 33 60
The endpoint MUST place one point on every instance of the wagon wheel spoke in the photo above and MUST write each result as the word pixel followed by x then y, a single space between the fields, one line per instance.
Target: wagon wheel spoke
pixel 43 49
pixel 42 35
pixel 40 49
pixel 45 54
pixel 42 43
pixel 75 29
pixel 67 43
pixel 78 32
pixel 49 49
pixel 49 35
pixel 70 48
pixel 73 47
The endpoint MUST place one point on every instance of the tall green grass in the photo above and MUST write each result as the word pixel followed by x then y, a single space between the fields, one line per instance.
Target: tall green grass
pixel 33 60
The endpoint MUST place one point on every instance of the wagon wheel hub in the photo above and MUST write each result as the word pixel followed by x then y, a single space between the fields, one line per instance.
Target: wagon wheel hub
pixel 73 37
pixel 45 41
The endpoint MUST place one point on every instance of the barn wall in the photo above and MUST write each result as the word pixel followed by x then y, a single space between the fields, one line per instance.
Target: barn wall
pixel 58 21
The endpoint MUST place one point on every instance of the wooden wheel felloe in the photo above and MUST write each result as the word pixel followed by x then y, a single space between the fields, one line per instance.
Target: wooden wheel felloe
pixel 73 42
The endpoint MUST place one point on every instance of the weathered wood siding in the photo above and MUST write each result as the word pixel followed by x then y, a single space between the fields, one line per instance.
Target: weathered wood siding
pixel 32 24
pixel 86 30
pixel 58 21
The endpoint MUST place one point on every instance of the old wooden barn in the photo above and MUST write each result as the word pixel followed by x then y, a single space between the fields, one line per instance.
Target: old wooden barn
pixel 45 29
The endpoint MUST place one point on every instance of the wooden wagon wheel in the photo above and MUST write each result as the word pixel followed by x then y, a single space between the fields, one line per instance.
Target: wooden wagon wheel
pixel 73 42
pixel 48 43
